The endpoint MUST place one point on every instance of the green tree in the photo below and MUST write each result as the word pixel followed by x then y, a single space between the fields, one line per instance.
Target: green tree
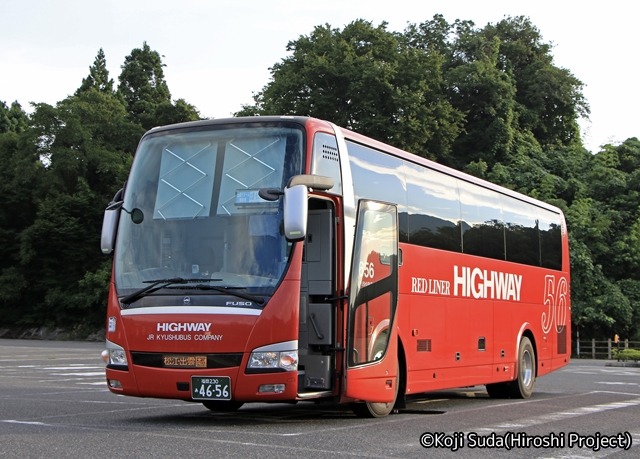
pixel 21 176
pixel 630 288
pixel 98 77
pixel 549 98
pixel 56 252
pixel 503 78
pixel 146 93
pixel 142 85
pixel 178 112
pixel 369 80
pixel 68 163
pixel 604 223
pixel 12 119
pixel 629 156
pixel 60 167
pixel 486 95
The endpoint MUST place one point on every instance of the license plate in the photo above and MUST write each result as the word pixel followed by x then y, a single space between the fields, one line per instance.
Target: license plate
pixel 211 388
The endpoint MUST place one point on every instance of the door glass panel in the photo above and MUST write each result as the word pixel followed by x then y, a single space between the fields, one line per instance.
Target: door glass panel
pixel 374 280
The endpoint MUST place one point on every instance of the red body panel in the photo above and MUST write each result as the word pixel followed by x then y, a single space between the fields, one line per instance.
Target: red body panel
pixel 446 308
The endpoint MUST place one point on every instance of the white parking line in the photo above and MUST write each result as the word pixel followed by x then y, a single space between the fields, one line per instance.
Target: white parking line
pixel 559 416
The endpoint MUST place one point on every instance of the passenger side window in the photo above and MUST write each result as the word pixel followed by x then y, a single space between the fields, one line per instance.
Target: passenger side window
pixel 433 209
pixel 379 177
pixel 482 221
pixel 521 232
pixel 550 228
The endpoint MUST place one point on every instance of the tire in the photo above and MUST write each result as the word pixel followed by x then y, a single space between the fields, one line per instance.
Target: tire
pixel 522 387
pixel 499 390
pixel 372 409
pixel 222 406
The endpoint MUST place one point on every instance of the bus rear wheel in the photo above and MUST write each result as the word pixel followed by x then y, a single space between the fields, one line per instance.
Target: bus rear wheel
pixel 222 406
pixel 522 387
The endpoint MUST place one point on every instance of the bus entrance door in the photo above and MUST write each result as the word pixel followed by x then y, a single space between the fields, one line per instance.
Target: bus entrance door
pixel 372 341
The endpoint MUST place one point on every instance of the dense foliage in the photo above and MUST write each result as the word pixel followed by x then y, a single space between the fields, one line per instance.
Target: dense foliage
pixel 60 167
pixel 487 100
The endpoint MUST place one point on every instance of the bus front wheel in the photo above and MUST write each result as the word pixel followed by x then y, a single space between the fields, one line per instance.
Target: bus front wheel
pixel 372 409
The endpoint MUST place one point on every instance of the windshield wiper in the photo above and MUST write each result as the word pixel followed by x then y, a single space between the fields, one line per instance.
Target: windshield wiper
pixel 157 285
pixel 229 290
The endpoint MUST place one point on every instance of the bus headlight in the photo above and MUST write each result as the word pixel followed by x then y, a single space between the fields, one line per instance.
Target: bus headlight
pixel 117 357
pixel 116 354
pixel 287 360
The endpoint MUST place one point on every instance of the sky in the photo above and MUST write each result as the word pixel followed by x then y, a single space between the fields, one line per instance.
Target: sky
pixel 218 52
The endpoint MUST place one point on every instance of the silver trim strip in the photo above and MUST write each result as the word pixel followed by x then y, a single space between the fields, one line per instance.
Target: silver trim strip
pixel 348 200
pixel 311 395
pixel 113 346
pixel 278 347
pixel 191 310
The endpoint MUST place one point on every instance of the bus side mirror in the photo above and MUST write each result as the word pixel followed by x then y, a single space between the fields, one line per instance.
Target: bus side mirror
pixel 109 229
pixel 110 222
pixel 296 209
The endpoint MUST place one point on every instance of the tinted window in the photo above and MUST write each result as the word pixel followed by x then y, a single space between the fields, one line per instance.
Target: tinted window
pixel 380 177
pixel 523 245
pixel 482 222
pixel 550 227
pixel 433 209
pixel 439 211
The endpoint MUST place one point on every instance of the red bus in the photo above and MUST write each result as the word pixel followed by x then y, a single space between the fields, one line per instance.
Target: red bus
pixel 284 259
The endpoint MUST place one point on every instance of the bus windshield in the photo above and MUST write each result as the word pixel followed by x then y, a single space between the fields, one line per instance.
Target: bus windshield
pixel 191 208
